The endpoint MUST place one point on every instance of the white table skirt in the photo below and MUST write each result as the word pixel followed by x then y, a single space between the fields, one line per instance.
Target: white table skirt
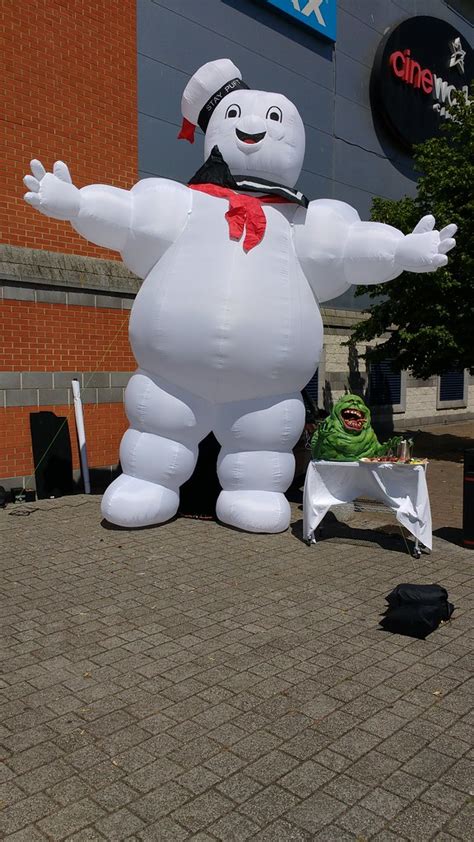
pixel 401 487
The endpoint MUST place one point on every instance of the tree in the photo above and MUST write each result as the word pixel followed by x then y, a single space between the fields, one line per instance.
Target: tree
pixel 430 317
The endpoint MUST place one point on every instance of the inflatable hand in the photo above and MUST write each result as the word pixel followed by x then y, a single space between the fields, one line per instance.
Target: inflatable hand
pixel 53 193
pixel 424 250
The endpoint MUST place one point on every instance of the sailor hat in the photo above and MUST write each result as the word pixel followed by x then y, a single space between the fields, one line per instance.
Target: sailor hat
pixel 203 93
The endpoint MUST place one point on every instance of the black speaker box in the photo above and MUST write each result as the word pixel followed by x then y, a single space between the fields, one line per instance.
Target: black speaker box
pixel 52 454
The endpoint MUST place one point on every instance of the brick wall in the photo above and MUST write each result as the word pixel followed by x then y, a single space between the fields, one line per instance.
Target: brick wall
pixel 104 425
pixel 45 345
pixel 68 93
pixel 62 316
pixel 49 343
pixel 60 337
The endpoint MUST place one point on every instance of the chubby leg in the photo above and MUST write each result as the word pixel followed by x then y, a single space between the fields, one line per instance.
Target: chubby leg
pixel 158 453
pixel 256 464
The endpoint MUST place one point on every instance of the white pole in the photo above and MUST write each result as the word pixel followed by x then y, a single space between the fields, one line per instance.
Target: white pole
pixel 81 434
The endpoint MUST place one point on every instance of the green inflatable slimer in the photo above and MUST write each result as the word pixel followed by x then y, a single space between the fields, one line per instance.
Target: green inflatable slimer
pixel 346 435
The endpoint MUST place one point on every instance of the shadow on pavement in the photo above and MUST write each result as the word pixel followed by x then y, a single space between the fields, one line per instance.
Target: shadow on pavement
pixel 444 446
pixel 388 536
pixel 295 491
pixel 450 534
pixel 113 527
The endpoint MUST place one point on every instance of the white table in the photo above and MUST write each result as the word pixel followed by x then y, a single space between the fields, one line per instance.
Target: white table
pixel 401 487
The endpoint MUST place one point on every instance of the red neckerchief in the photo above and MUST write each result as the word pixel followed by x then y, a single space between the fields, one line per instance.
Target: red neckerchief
pixel 245 212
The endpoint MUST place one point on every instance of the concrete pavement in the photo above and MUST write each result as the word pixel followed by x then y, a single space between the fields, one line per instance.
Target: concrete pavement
pixel 194 682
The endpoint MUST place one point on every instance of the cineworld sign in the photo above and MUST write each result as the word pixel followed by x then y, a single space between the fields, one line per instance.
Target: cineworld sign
pixel 418 67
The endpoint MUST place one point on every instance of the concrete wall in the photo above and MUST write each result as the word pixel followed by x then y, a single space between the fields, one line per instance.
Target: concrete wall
pixel 344 370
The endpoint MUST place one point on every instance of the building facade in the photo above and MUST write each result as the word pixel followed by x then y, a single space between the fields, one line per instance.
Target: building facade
pixel 103 94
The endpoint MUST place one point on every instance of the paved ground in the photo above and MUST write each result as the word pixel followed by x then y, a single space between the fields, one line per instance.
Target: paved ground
pixel 193 682
pixel 445 445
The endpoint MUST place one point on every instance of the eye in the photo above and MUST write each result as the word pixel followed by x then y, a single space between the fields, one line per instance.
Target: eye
pixel 233 111
pixel 274 113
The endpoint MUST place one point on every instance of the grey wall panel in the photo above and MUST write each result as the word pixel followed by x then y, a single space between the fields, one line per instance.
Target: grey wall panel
pixel 356 38
pixel 354 196
pixel 166 37
pixel 315 186
pixel 439 9
pixel 160 88
pixel 319 152
pixel 354 123
pixel 244 22
pixel 407 7
pixel 160 153
pixel 348 301
pixel 377 14
pixel 352 79
pixel 358 167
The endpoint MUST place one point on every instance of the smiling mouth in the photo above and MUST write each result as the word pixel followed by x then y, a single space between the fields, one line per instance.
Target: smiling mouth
pixel 249 138
pixel 353 419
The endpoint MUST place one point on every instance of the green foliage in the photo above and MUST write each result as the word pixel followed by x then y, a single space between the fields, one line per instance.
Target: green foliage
pixel 433 313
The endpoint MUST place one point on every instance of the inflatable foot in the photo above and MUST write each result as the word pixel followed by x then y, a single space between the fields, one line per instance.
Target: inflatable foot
pixel 254 511
pixel 134 502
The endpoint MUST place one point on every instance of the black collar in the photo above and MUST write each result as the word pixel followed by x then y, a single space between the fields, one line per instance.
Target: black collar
pixel 216 171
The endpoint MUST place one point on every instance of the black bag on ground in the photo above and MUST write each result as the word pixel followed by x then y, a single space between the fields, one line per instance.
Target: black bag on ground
pixel 427 594
pixel 416 610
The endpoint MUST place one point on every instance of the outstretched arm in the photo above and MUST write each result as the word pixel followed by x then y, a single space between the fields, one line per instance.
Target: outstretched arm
pixel 99 213
pixel 375 253
pixel 336 249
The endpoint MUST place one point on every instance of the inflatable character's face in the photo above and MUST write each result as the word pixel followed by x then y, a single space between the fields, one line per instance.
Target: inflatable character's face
pixel 351 414
pixel 258 134
pixel 347 433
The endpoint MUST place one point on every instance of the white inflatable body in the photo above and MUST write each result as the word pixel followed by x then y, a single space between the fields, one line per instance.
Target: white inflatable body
pixel 225 338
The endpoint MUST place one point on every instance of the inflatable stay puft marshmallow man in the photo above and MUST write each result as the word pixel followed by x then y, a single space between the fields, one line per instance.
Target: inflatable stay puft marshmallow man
pixel 226 327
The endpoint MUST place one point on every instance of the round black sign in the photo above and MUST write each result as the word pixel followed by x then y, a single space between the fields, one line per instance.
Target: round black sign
pixel 418 66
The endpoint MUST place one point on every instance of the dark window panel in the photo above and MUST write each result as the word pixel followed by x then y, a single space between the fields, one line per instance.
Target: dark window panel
pixel 451 386
pixel 385 385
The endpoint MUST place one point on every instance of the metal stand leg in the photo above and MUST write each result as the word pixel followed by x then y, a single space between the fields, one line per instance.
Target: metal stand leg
pixel 420 548
pixel 310 539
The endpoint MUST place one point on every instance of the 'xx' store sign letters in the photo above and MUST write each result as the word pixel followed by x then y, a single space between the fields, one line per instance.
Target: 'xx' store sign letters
pixel 318 15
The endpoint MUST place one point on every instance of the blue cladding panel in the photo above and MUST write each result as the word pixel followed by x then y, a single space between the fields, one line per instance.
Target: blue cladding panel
pixel 319 15
pixel 451 386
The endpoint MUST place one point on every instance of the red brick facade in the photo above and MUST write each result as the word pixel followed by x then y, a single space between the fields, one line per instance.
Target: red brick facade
pixel 104 423
pixel 55 337
pixel 69 93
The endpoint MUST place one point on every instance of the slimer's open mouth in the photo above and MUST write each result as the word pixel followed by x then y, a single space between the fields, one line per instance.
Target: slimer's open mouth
pixel 353 419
